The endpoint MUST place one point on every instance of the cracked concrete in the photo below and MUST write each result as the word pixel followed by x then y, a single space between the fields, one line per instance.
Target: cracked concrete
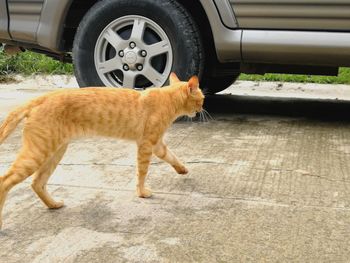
pixel 263 187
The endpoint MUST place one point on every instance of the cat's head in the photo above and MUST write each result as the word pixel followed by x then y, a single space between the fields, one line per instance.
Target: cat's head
pixel 192 94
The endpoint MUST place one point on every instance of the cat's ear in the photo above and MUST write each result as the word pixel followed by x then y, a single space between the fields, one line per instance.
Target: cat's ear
pixel 193 84
pixel 173 78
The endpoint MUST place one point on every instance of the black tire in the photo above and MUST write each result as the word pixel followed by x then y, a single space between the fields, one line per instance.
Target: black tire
pixel 217 84
pixel 173 18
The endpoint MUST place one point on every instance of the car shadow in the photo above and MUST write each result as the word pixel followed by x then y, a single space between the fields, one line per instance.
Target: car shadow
pixel 328 110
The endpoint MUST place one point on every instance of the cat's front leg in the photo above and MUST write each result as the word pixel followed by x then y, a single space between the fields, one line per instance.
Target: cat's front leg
pixel 144 155
pixel 164 153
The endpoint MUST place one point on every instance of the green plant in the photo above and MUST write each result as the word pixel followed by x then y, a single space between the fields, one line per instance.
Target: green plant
pixel 343 78
pixel 32 63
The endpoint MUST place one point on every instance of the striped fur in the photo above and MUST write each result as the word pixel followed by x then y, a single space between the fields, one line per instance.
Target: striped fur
pixel 53 120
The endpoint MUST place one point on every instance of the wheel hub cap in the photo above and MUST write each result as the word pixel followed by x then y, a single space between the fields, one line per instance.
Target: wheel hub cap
pixel 132 57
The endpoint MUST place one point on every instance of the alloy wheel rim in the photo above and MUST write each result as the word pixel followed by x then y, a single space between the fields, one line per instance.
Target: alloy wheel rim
pixel 135 52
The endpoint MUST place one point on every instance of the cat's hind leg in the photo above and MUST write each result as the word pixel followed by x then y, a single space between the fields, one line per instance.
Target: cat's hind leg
pixel 41 177
pixel 28 161
pixel 164 153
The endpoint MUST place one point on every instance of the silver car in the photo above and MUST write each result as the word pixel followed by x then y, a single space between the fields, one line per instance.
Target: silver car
pixel 137 43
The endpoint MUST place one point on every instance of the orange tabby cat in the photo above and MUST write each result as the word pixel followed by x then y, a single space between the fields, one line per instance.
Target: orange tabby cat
pixel 54 119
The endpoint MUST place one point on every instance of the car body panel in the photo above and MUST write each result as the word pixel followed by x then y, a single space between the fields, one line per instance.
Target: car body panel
pixel 330 15
pixel 3 20
pixel 24 19
pixel 226 40
pixel 51 24
pixel 226 12
pixel 296 47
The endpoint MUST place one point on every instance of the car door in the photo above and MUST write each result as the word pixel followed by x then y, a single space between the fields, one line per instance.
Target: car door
pixel 24 19
pixel 3 20
pixel 330 15
pixel 299 32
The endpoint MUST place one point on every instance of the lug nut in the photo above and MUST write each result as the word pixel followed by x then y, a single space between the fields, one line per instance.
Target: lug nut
pixel 121 53
pixel 143 53
pixel 126 67
pixel 139 67
pixel 132 45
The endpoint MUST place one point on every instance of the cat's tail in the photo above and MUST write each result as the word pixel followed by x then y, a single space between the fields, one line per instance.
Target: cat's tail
pixel 15 117
pixel 11 122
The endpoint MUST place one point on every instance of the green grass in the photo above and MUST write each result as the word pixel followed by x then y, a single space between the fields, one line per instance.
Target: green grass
pixel 28 63
pixel 343 78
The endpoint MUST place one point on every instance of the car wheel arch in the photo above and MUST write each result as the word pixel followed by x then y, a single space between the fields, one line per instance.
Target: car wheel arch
pixel 72 19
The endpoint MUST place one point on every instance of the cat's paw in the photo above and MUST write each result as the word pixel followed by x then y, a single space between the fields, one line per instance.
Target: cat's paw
pixel 181 169
pixel 56 205
pixel 144 193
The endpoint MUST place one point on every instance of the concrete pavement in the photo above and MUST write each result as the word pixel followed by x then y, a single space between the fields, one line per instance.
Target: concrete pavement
pixel 263 187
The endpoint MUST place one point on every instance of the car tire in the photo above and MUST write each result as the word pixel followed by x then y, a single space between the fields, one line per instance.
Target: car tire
pixel 217 84
pixel 164 20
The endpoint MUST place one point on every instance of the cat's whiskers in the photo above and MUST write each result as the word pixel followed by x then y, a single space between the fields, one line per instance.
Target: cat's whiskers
pixel 206 117
pixel 202 116
pixel 207 113
pixel 188 118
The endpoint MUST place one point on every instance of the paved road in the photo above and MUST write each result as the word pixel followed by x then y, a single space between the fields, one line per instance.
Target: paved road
pixel 269 182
